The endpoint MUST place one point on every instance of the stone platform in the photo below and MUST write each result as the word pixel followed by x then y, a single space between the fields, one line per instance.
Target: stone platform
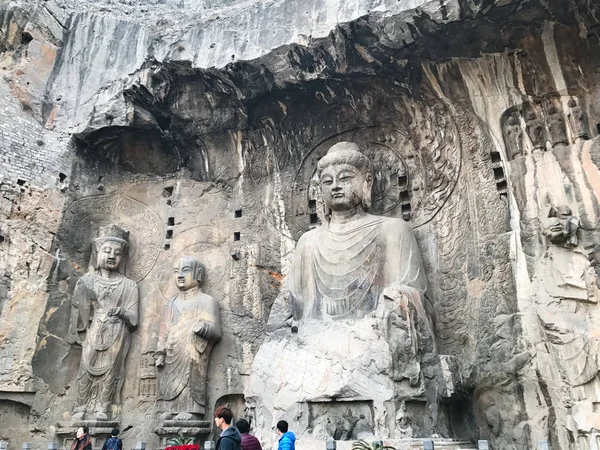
pixel 96 427
pixel 398 444
pixel 187 428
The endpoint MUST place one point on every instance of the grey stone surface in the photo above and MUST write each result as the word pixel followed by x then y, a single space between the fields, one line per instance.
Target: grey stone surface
pixel 171 117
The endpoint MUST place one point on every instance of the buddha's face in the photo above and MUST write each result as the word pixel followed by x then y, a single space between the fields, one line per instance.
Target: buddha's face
pixel 185 275
pixel 110 255
pixel 343 186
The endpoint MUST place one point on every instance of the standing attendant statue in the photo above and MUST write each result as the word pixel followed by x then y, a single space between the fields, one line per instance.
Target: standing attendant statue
pixel 190 328
pixel 106 307
pixel 577 121
pixel 557 127
pixel 535 130
pixel 514 137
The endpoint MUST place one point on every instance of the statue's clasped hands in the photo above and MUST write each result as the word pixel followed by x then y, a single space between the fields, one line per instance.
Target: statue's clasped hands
pixel 201 329
pixel 159 361
pixel 116 312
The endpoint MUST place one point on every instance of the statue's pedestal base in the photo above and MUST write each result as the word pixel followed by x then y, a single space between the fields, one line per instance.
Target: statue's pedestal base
pixel 99 431
pixel 398 444
pixel 170 429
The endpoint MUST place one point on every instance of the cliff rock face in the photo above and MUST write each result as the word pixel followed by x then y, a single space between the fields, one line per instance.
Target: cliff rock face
pixel 197 125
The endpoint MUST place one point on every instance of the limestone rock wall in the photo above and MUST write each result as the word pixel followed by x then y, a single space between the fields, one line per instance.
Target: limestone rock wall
pixel 196 125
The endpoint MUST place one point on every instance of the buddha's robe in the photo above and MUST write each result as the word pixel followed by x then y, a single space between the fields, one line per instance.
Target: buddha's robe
pixel 342 274
pixel 102 368
pixel 182 380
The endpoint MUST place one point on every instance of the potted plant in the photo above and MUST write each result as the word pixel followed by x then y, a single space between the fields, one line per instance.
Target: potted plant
pixel 375 445
pixel 182 443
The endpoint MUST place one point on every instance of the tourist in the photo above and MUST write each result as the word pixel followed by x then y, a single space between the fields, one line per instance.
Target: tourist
pixel 82 440
pixel 113 442
pixel 230 438
pixel 249 442
pixel 287 439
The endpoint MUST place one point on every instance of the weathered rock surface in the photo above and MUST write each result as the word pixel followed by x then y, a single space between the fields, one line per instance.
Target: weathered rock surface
pixel 196 125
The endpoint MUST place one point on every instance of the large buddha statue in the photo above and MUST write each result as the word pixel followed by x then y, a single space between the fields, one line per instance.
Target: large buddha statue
pixel 342 267
pixel 105 307
pixel 355 289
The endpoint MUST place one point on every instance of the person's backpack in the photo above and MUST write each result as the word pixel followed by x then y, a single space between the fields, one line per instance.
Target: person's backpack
pixel 112 444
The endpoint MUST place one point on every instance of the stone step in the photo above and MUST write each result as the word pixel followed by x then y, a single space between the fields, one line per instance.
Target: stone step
pixel 398 444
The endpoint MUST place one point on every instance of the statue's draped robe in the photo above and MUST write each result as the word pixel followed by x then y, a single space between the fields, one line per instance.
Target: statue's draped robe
pixel 341 274
pixel 102 368
pixel 182 380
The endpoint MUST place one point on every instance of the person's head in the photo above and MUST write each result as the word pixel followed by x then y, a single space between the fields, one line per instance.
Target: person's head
pixel 243 426
pixel 82 431
pixel 346 177
pixel 188 273
pixel 223 417
pixel 114 432
pixel 111 247
pixel 282 427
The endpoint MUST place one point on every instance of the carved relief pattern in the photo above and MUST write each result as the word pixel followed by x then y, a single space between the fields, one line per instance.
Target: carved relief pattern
pixel 462 230
pixel 147 381
pixel 84 216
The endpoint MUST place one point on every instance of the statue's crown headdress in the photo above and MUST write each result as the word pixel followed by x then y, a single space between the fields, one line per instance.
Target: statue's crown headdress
pixel 113 232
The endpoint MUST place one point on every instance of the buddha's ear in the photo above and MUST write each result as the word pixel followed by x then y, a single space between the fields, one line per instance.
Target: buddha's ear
pixel 366 194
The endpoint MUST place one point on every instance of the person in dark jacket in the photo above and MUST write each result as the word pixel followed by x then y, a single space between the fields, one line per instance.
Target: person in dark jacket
pixel 230 438
pixel 113 442
pixel 249 442
pixel 82 440
pixel 287 439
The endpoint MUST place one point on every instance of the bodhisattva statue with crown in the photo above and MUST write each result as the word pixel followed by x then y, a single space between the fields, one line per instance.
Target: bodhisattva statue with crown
pixel 356 289
pixel 105 305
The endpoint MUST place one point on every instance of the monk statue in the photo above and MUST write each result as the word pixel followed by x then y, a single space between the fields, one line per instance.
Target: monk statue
pixel 190 328
pixel 341 268
pixel 105 306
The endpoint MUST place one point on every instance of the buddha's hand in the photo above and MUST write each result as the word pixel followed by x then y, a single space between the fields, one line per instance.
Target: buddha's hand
pixel 160 361
pixel 400 293
pixel 118 312
pixel 201 329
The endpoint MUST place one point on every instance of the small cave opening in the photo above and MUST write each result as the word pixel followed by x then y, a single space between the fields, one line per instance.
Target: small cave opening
pixel 26 38
pixel 163 122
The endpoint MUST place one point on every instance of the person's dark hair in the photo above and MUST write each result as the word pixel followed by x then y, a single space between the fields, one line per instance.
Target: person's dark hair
pixel 224 413
pixel 243 426
pixel 282 426
pixel 114 432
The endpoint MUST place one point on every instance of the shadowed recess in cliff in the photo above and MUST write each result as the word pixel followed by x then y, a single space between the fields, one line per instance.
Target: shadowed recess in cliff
pixel 131 150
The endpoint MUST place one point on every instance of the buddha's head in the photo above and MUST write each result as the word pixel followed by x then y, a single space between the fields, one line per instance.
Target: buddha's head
pixel 111 247
pixel 188 273
pixel 346 177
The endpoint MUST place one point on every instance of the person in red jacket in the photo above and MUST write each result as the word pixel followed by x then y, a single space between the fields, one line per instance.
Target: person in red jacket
pixel 249 442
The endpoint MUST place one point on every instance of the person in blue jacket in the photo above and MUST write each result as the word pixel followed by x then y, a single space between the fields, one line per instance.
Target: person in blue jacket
pixel 287 439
